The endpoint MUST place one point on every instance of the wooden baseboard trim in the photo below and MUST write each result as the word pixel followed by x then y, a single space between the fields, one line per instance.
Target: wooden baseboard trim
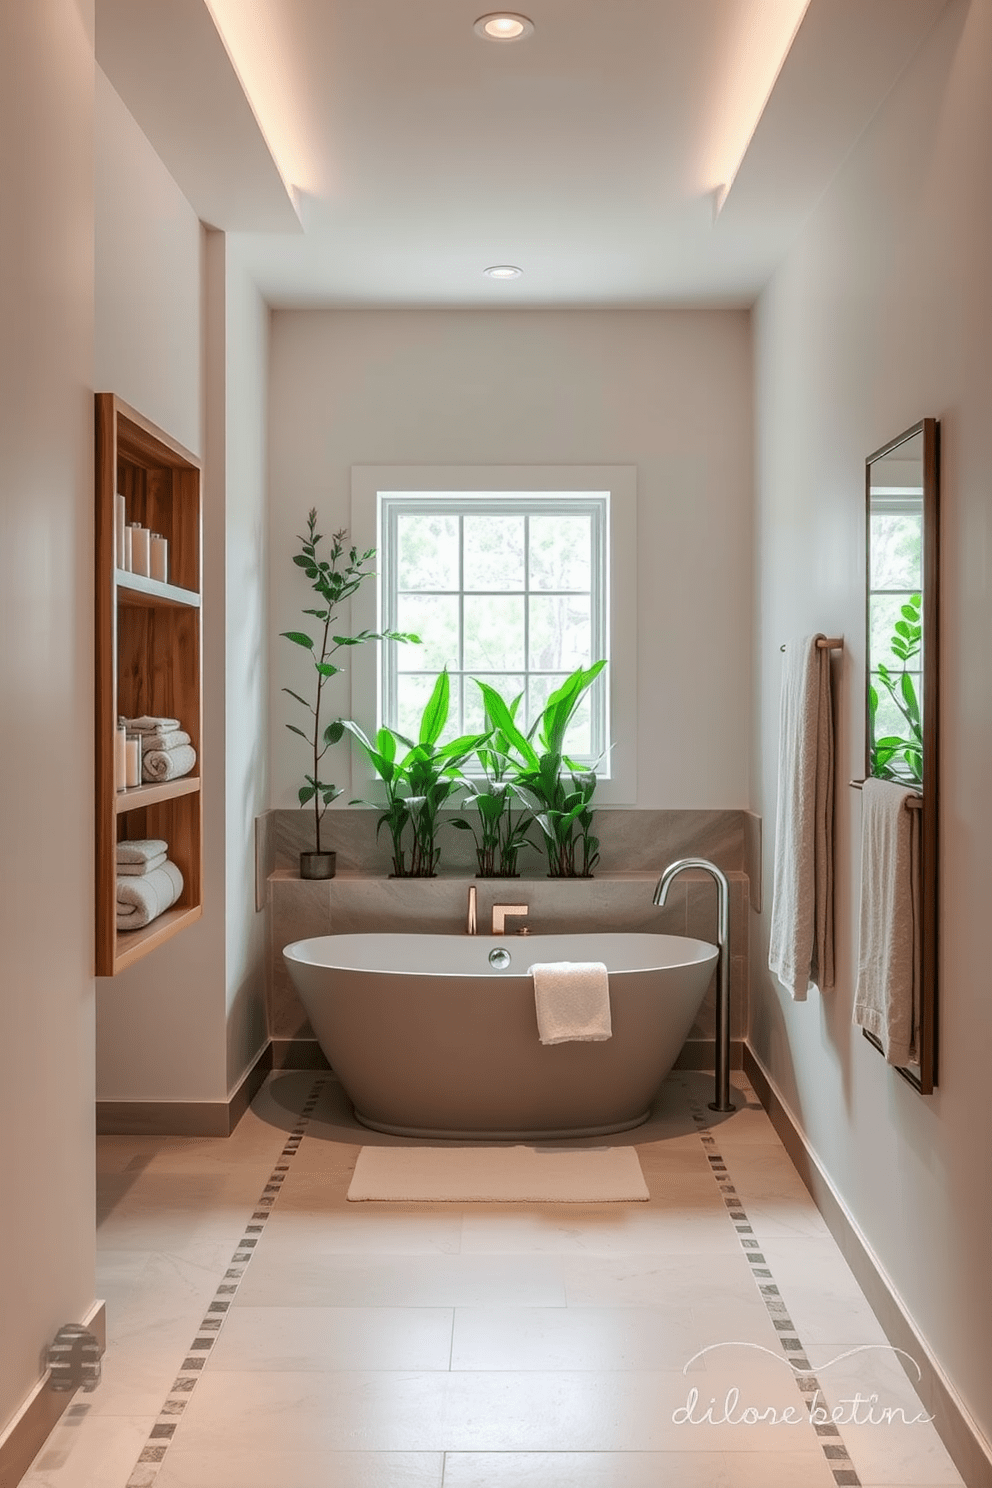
pixel 27 1433
pixel 700 1054
pixel 183 1118
pixel 971 1453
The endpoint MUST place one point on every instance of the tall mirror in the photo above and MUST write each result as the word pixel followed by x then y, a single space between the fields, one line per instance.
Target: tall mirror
pixel 901 673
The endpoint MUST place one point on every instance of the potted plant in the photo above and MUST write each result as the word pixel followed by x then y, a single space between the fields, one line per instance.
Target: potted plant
pixel 333 579
pixel 418 782
pixel 564 813
pixel 499 836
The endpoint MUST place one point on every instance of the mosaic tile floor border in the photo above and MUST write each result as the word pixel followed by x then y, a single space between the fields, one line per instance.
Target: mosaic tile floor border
pixel 152 1456
pixel 828 1433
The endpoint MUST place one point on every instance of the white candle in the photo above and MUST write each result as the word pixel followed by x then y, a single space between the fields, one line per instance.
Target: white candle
pixel 133 760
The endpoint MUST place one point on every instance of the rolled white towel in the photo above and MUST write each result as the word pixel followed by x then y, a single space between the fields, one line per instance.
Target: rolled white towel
pixel 146 724
pixel 168 764
pixel 164 739
pixel 142 899
pixel 141 849
pixel 572 999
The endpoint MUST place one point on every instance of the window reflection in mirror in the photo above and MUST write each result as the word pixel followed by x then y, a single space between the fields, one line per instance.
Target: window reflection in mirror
pixel 895 614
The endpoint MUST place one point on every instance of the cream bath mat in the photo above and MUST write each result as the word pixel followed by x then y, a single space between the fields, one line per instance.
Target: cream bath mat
pixel 499 1175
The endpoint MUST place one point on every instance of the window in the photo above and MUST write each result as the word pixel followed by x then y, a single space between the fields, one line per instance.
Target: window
pixel 512 574
pixel 507 587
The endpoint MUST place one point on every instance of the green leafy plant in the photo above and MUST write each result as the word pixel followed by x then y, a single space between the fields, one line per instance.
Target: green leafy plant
pixel 900 756
pixel 541 772
pixel 418 783
pixel 500 836
pixel 333 579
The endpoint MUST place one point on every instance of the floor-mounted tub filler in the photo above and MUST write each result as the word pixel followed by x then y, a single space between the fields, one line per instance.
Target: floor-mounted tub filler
pixel 435 1036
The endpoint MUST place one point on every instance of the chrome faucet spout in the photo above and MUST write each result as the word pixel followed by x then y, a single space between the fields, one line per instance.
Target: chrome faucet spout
pixel 722 1101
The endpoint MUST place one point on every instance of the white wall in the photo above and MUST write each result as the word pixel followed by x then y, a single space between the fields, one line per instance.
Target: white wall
pixel 246 675
pixel 46 681
pixel 881 315
pixel 181 335
pixel 667 391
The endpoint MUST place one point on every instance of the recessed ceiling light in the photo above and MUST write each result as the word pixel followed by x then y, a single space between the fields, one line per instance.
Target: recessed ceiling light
pixel 503 271
pixel 503 25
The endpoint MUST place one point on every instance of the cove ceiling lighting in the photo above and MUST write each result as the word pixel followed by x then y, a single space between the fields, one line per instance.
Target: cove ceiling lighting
pixel 503 25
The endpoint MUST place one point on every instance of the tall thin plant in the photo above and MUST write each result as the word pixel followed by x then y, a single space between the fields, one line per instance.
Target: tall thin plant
pixel 334 580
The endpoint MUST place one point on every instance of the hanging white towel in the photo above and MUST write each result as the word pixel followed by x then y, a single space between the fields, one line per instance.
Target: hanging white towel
pixel 887 1001
pixel 801 946
pixel 572 999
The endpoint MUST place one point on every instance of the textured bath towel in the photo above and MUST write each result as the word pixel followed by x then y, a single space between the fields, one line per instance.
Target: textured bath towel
pixel 168 764
pixel 141 849
pixel 164 739
pixel 138 870
pixel 887 1001
pixel 149 725
pixel 572 999
pixel 141 900
pixel 801 947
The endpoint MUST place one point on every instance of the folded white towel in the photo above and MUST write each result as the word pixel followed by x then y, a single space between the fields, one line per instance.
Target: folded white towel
pixel 887 1000
pixel 801 936
pixel 138 870
pixel 142 899
pixel 141 849
pixel 572 1000
pixel 168 764
pixel 146 724
pixel 164 739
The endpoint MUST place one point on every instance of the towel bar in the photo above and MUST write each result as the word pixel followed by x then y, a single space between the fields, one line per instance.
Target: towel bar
pixel 827 643
pixel 915 802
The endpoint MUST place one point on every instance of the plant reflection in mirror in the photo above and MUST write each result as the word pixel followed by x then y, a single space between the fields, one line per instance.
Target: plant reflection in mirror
pixel 899 756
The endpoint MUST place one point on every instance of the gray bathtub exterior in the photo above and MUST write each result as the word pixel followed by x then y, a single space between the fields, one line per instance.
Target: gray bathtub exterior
pixel 429 1040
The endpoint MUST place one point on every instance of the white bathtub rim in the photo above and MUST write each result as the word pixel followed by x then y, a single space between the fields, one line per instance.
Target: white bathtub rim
pixel 683 950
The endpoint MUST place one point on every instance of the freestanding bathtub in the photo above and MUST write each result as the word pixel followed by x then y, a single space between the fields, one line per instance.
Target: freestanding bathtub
pixel 430 1039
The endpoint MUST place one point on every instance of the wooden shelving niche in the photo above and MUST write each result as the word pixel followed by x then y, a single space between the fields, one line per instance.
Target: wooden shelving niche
pixel 148 660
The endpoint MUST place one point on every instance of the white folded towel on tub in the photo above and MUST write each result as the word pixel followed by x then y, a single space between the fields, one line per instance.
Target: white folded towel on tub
pixel 141 899
pixel 572 1000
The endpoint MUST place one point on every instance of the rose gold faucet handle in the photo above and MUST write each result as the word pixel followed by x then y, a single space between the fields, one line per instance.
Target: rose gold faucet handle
pixel 471 925
pixel 500 913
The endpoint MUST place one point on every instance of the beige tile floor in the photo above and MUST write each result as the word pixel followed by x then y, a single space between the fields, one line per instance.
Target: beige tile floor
pixel 476 1346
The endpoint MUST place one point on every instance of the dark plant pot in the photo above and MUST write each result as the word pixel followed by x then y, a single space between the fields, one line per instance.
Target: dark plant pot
pixel 318 864
pixel 569 877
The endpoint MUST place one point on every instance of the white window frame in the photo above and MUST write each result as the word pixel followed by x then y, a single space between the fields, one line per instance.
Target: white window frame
pixel 376 488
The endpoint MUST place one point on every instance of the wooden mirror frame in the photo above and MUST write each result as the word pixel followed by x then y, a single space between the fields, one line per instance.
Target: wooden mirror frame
pixel 923 1077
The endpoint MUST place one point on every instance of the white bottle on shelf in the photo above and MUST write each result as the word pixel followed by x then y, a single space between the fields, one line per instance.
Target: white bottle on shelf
pixel 159 559
pixel 120 522
pixel 120 755
pixel 140 550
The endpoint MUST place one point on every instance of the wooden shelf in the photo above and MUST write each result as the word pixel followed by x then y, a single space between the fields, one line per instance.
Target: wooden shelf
pixel 148 661
pixel 149 795
pixel 132 945
pixel 136 589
